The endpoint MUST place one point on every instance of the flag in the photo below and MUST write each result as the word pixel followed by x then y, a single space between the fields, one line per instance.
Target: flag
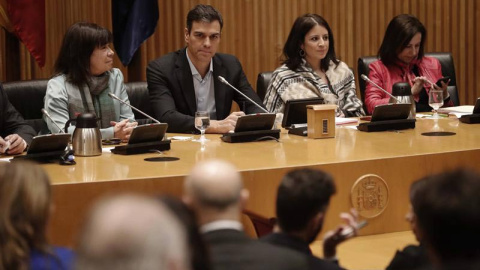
pixel 133 22
pixel 28 20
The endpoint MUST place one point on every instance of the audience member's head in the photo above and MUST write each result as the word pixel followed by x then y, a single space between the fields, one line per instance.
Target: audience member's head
pixel 132 232
pixel 25 202
pixel 400 32
pixel 198 250
pixel 292 50
pixel 302 199
pixel 214 189
pixel 447 209
pixel 76 57
pixel 203 13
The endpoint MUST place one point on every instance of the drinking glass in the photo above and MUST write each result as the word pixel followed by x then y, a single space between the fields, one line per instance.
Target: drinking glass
pixel 202 122
pixel 435 100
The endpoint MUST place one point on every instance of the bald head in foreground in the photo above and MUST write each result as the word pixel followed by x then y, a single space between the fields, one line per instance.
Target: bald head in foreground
pixel 214 189
pixel 132 232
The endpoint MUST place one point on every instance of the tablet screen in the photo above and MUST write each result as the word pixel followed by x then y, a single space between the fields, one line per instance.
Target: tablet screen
pixel 296 111
pixel 148 133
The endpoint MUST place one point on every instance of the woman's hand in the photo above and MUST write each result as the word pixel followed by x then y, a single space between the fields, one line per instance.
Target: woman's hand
pixel 123 129
pixel 444 88
pixel 418 84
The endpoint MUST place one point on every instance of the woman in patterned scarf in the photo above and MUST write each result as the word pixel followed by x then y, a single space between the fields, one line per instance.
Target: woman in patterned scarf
pixel 83 78
pixel 311 69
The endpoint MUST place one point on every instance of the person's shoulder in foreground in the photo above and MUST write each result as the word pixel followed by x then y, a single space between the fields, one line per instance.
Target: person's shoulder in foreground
pixel 60 259
pixel 284 240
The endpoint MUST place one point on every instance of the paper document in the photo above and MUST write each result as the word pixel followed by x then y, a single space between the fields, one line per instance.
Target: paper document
pixel 468 109
pixel 342 121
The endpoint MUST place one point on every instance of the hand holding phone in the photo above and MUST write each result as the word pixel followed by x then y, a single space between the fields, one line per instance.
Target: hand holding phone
pixel 445 79
pixel 348 232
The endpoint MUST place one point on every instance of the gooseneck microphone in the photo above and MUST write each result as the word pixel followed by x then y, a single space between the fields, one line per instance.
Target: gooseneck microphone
pixel 221 79
pixel 123 102
pixel 60 130
pixel 365 78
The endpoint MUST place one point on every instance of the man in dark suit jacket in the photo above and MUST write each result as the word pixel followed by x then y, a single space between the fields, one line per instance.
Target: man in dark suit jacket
pixel 183 82
pixel 215 191
pixel 302 201
pixel 447 212
pixel 15 133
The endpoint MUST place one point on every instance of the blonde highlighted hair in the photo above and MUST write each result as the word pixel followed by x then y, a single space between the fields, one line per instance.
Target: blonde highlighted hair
pixel 25 198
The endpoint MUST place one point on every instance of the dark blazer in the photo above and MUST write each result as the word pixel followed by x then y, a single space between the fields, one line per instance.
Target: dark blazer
pixel 411 257
pixel 284 240
pixel 233 250
pixel 11 122
pixel 172 95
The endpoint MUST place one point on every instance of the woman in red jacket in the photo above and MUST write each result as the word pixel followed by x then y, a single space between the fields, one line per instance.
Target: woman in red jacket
pixel 402 60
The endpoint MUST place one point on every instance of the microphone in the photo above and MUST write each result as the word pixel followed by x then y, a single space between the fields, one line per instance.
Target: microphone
pixel 123 102
pixel 221 79
pixel 49 117
pixel 365 78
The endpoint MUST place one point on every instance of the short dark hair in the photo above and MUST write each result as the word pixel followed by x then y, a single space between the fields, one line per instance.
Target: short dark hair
pixel 400 31
pixel 203 13
pixel 301 195
pixel 78 44
pixel 300 28
pixel 448 214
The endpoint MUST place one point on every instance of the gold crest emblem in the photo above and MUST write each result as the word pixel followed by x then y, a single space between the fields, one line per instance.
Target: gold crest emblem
pixel 369 195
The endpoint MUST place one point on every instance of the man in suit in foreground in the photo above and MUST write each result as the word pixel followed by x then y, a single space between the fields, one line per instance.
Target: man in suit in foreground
pixel 183 82
pixel 302 201
pixel 447 211
pixel 15 134
pixel 215 192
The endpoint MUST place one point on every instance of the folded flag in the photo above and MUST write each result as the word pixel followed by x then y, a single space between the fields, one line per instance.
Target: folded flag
pixel 133 22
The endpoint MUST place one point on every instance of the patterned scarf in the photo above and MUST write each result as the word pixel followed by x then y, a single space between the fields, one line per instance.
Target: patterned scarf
pixel 302 83
pixel 102 103
pixel 92 98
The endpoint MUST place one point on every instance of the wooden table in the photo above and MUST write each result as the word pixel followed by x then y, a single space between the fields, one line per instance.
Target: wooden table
pixel 398 157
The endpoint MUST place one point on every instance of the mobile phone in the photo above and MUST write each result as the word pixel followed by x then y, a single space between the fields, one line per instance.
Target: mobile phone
pixel 444 79
pixel 349 231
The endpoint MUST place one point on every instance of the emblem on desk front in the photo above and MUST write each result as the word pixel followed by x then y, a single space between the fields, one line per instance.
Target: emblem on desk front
pixel 369 195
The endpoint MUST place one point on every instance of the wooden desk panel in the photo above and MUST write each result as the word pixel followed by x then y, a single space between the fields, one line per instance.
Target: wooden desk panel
pixel 398 157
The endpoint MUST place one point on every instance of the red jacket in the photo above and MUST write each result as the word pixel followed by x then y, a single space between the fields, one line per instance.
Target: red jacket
pixel 386 77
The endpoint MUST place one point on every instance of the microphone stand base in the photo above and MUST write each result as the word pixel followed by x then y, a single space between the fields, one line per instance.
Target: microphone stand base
pixel 44 157
pixel 251 136
pixel 140 148
pixel 387 125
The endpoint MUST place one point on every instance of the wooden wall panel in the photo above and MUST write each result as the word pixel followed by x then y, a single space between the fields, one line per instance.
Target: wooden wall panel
pixel 255 31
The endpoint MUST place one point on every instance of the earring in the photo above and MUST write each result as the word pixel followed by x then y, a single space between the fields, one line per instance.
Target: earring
pixel 301 53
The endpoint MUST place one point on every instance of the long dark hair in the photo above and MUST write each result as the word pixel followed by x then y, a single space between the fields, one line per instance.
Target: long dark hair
pixel 400 31
pixel 301 26
pixel 78 44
